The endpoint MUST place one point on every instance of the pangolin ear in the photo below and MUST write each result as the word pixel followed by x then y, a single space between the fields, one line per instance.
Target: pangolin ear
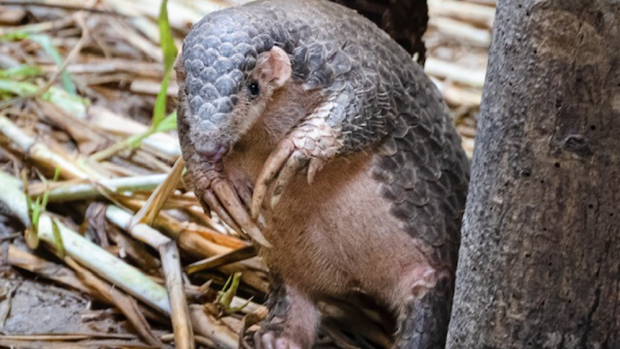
pixel 274 67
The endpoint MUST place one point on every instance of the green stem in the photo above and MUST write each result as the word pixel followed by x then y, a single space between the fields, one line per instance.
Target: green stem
pixel 128 143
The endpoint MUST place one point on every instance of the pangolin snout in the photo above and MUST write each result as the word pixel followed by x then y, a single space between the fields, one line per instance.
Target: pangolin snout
pixel 213 152
pixel 207 136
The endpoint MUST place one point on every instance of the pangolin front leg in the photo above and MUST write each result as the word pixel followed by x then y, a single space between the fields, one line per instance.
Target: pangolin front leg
pixel 309 146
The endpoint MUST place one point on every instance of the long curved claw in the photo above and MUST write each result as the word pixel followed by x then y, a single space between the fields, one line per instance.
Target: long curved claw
pixel 245 194
pixel 210 200
pixel 216 193
pixel 230 201
pixel 315 166
pixel 295 162
pixel 243 187
pixel 205 206
pixel 273 165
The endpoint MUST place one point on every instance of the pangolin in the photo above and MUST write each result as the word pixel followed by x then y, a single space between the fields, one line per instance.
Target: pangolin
pixel 307 127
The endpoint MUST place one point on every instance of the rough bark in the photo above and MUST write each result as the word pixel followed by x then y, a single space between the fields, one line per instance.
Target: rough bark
pixel 539 264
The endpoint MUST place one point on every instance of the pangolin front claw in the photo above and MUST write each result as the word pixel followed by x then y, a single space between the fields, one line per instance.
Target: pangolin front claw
pixel 210 202
pixel 231 202
pixel 275 162
pixel 221 197
pixel 309 146
pixel 282 165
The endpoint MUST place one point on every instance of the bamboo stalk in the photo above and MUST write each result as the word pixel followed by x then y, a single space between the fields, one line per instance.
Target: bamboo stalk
pixel 462 31
pixel 152 87
pixel 218 261
pixel 109 267
pixel 71 191
pixel 156 240
pixel 181 323
pixel 458 96
pixel 48 159
pixel 454 72
pixel 195 239
pixel 40 153
pixel 87 253
pixel 140 232
pixel 159 143
pixel 490 3
pixel 462 10
pixel 156 200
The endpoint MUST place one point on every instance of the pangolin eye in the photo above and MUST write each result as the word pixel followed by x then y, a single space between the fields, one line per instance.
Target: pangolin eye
pixel 253 88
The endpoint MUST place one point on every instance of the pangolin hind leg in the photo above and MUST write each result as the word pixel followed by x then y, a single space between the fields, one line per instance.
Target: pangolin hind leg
pixel 293 319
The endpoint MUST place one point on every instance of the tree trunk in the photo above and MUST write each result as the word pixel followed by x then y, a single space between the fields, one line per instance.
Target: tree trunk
pixel 539 264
